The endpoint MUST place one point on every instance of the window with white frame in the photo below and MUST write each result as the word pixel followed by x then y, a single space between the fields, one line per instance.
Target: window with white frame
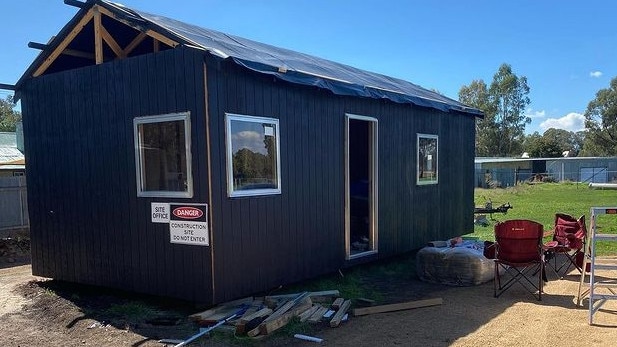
pixel 427 159
pixel 253 166
pixel 163 155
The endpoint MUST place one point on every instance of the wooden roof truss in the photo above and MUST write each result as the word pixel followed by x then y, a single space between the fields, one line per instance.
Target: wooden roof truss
pixel 100 35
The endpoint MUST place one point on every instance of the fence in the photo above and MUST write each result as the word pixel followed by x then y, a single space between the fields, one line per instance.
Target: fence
pixel 13 204
pixel 502 178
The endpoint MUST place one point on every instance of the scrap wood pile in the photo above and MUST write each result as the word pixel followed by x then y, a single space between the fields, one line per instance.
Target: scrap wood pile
pixel 260 316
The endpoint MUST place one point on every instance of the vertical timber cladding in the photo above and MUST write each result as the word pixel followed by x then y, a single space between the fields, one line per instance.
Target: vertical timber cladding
pixel 88 223
pixel 265 241
pixel 410 215
pixel 261 242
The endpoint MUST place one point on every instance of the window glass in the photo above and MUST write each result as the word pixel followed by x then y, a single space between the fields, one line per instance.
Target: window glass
pixel 163 156
pixel 252 155
pixel 427 159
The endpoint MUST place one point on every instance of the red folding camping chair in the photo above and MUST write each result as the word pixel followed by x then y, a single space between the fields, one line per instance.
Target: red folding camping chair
pixel 569 237
pixel 518 251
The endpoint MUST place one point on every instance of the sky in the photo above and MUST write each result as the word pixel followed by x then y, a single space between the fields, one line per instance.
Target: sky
pixel 566 49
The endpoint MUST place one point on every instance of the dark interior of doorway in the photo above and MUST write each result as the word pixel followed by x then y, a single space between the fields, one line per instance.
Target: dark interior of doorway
pixel 359 186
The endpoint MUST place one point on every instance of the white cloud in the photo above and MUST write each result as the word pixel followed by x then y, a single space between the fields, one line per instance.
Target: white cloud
pixel 248 139
pixel 595 74
pixel 534 114
pixel 571 122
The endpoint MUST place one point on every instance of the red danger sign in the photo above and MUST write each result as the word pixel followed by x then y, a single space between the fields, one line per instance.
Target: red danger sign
pixel 187 212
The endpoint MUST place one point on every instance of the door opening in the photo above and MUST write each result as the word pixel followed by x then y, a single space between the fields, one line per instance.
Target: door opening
pixel 360 187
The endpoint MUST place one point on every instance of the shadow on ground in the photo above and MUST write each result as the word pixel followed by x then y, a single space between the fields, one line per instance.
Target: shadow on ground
pixel 89 307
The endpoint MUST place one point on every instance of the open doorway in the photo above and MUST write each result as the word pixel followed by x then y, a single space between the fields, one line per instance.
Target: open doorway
pixel 360 185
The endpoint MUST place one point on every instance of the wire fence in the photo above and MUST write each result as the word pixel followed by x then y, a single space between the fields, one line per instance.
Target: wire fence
pixel 503 178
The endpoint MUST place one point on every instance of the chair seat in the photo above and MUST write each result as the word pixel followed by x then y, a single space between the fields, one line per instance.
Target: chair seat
pixel 551 244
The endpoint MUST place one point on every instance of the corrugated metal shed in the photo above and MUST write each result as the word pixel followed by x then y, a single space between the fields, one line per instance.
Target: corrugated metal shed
pixel 8 139
pixel 9 154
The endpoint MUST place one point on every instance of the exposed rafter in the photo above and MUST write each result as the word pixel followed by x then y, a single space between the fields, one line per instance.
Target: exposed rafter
pixel 64 43
pixel 98 37
pixel 75 3
pixel 101 35
pixel 37 45
pixel 136 41
pixel 162 38
pixel 7 86
pixel 149 32
pixel 112 43
pixel 79 54
pixel 71 52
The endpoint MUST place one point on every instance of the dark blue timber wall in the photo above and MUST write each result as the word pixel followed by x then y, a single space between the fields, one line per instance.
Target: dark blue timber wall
pixel 262 242
pixel 89 226
pixel 87 223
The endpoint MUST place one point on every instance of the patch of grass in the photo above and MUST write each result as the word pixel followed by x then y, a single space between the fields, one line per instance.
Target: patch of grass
pixel 50 291
pixel 350 285
pixel 360 281
pixel 540 202
pixel 132 311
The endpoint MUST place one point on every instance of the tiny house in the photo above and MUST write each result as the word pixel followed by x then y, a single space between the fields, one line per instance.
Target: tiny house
pixel 174 160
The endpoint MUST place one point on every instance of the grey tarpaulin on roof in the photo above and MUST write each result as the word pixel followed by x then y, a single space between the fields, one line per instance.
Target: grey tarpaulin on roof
pixel 297 67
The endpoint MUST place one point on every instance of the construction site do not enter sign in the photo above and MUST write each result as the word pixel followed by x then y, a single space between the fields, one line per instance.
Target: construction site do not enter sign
pixel 188 223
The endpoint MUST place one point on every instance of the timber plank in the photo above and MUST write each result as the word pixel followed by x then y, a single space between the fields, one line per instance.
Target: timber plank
pixel 397 307
pixel 261 313
pixel 308 313
pixel 256 306
pixel 337 303
pixel 230 304
pixel 318 315
pixel 268 326
pixel 98 37
pixel 244 323
pixel 330 293
pixel 338 316
pixel 291 303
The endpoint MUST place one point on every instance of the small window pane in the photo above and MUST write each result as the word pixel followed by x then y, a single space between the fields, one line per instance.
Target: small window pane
pixel 427 159
pixel 163 156
pixel 253 155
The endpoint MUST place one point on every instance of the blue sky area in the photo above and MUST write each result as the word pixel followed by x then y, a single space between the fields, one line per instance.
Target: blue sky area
pixel 566 49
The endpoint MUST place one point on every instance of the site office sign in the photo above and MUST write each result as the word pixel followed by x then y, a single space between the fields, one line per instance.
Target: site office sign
pixel 188 224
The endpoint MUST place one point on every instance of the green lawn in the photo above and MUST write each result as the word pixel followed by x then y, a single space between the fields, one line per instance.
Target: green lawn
pixel 540 202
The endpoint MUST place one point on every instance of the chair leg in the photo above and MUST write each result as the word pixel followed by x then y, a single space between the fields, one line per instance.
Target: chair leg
pixel 520 275
pixel 541 281
pixel 495 280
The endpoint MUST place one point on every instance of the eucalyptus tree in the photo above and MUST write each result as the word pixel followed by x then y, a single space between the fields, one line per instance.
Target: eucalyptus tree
pixel 601 122
pixel 502 131
pixel 8 116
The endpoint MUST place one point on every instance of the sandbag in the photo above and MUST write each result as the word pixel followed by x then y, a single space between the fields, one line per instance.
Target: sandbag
pixel 465 265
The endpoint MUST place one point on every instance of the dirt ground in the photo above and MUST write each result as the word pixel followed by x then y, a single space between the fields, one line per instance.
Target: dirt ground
pixel 42 312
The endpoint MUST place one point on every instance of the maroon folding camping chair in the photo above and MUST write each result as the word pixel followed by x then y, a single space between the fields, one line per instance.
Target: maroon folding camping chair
pixel 519 251
pixel 567 248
